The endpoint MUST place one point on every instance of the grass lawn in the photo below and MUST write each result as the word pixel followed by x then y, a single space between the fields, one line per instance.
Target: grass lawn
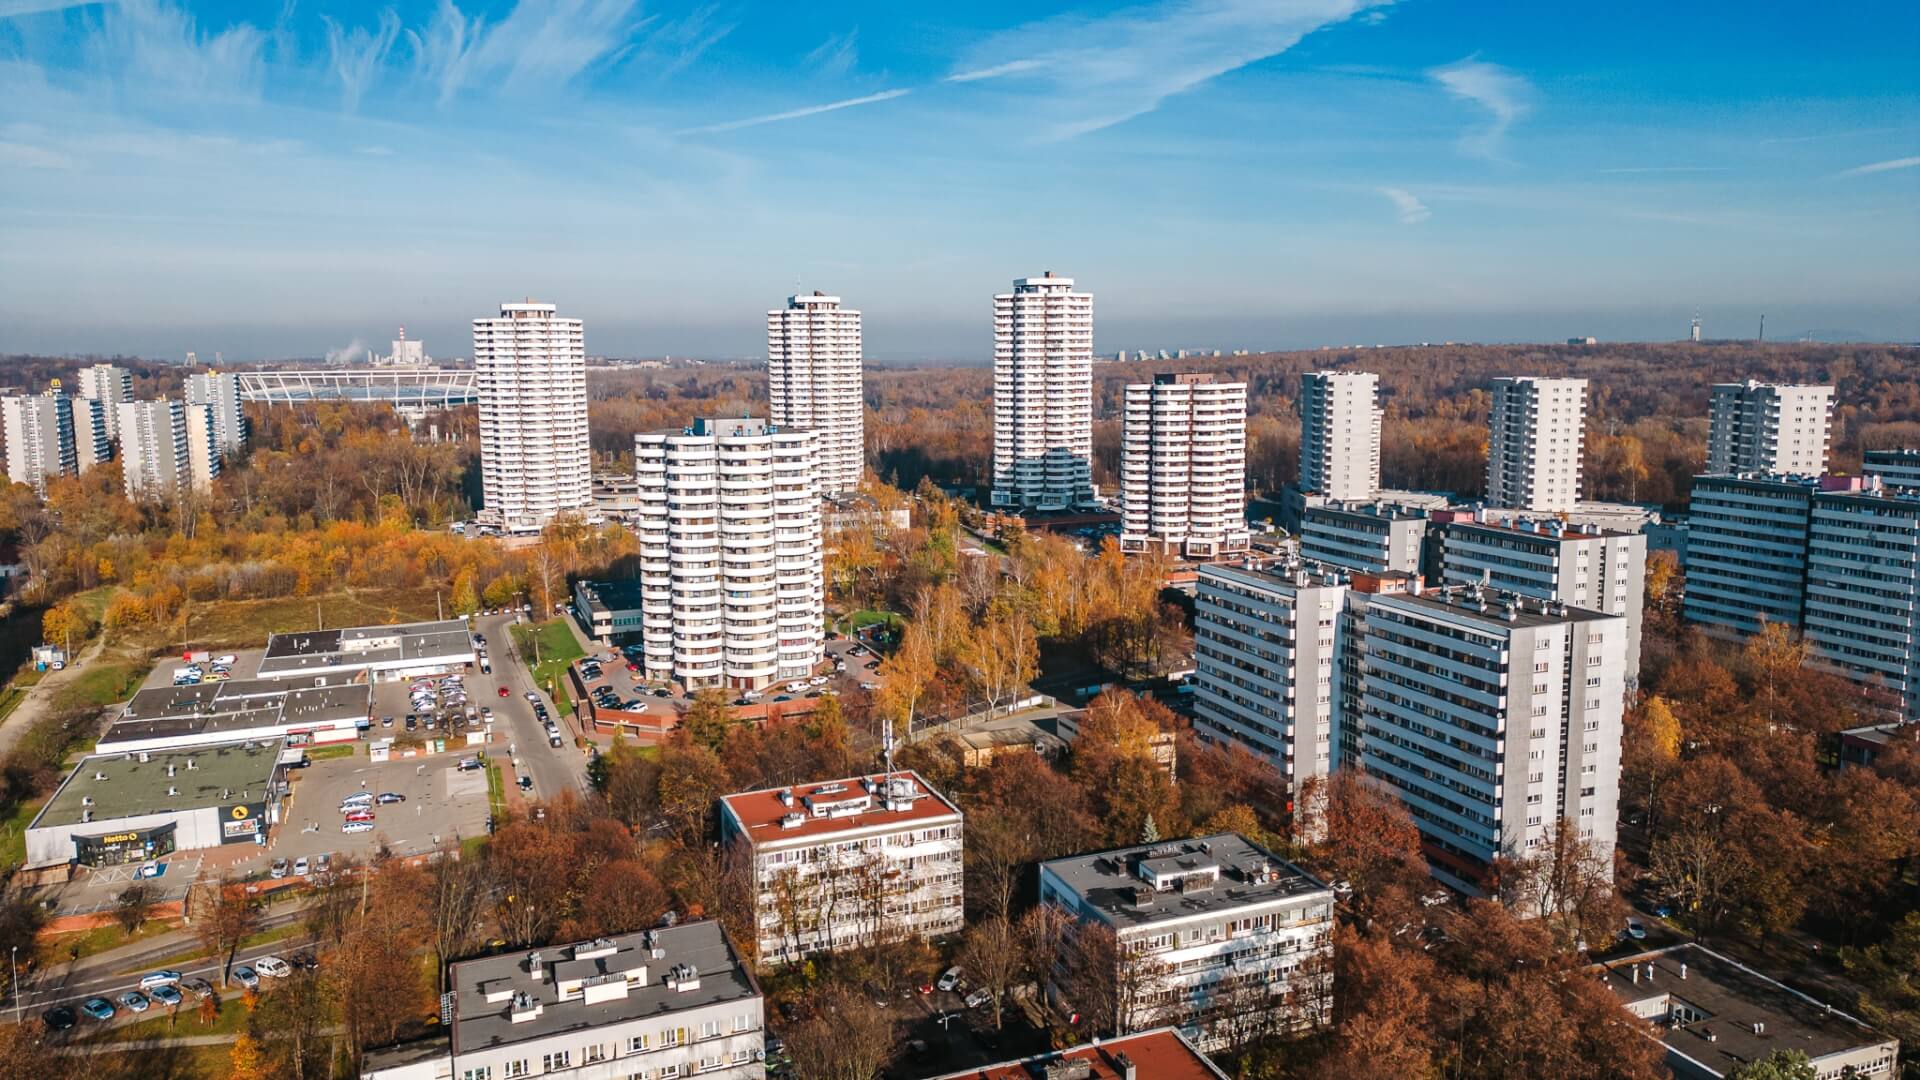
pixel 239 624
pixel 10 697
pixel 101 938
pixel 94 601
pixel 183 1062
pixel 496 792
pixel 263 937
pixel 558 648
pixel 324 753
pixel 231 1020
pixel 104 682
pixel 471 846
pixel 13 831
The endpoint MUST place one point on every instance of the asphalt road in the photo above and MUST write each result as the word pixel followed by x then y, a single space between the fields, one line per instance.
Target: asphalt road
pixel 553 770
pixel 56 986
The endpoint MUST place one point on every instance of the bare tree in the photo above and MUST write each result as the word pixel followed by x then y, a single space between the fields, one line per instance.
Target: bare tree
pixel 994 959
pixel 460 892
pixel 845 1038
pixel 223 915
pixel 1567 882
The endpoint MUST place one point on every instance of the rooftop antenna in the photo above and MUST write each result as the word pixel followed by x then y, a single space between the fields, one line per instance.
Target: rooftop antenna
pixel 1763 328
pixel 886 746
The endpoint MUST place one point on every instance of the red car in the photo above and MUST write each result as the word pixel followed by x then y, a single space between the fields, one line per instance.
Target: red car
pixel 503 691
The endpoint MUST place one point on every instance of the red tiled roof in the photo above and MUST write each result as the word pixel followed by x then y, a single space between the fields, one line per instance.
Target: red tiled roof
pixel 760 812
pixel 1157 1055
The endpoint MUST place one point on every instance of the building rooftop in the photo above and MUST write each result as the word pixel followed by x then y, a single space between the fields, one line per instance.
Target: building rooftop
pixel 1550 528
pixel 1493 605
pixel 1180 878
pixel 611 595
pixel 1280 573
pixel 775 815
pixel 105 787
pixel 1161 1054
pixel 364 646
pixel 237 705
pixel 1378 510
pixel 1742 1015
pixel 501 1000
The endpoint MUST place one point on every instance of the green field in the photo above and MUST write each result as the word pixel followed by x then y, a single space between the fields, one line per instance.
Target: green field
pixel 323 753
pixel 101 938
pixel 13 832
pixel 240 624
pixel 10 698
pixel 103 682
pixel 558 648
pixel 262 937
pixel 496 792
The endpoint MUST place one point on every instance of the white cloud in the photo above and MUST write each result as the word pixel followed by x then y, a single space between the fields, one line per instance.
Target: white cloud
pixel 1097 72
pixel 1883 166
pixel 150 46
pixel 836 56
pixel 1412 211
pixel 11 8
pixel 1504 94
pixel 33 157
pixel 357 55
pixel 540 44
pixel 795 114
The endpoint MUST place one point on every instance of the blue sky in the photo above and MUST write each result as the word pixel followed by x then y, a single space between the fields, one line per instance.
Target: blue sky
pixel 285 181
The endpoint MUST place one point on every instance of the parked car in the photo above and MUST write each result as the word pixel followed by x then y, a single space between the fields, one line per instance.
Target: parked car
pixel 526 783
pixel 949 980
pixel 1636 930
pixel 303 961
pixel 272 967
pixel 979 998
pixel 386 721
pixel 323 862
pixel 352 827
pixel 199 988
pixel 165 995
pixel 357 799
pixel 245 976
pixel 386 798
pixel 358 815
pixel 468 764
pixel 98 1008
pixel 279 869
pixel 58 1018
pixel 300 866
pixel 413 723
pixel 135 1001
pixel 146 870
pixel 159 978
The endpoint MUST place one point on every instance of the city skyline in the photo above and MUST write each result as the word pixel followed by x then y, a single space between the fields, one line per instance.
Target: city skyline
pixel 216 179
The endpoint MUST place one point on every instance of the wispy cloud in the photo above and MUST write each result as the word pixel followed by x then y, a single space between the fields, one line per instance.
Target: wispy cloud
pixel 795 114
pixel 1503 93
pixel 1883 166
pixel 540 43
pixel 1097 72
pixel 10 8
pixel 33 157
pixel 357 55
pixel 671 45
pixel 836 56
pixel 150 46
pixel 1411 210
pixel 1665 169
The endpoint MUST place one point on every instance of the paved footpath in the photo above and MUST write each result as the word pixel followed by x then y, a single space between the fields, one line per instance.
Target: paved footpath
pixel 39 700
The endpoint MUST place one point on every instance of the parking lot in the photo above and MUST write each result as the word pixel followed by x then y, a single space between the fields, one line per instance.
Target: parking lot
pixel 443 718
pixel 443 805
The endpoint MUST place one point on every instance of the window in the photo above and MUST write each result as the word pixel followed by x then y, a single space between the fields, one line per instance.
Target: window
pixel 710 1029
pixel 591 1054
pixel 514 1068
pixel 668 1072
pixel 478 1072
pixel 559 1059
pixel 637 1044
pixel 743 1022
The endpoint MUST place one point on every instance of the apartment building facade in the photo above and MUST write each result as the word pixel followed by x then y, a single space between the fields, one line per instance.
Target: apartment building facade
pixel 1746 556
pixel 1895 467
pixel 732 579
pixel 1550 560
pixel 1209 929
pixel 1862 615
pixel 1183 466
pixel 1263 665
pixel 203 446
pixel 1043 395
pixel 815 381
pixel 655 1005
pixel 1340 434
pixel 1370 537
pixel 111 386
pixel 153 448
pixel 92 439
pixel 40 440
pixel 530 371
pixel 1490 714
pixel 220 391
pixel 1769 428
pixel 1534 433
pixel 845 862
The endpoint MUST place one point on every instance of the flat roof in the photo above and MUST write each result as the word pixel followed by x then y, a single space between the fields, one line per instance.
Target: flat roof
pixel 237 705
pixel 763 815
pixel 612 595
pixel 1733 998
pixel 479 1023
pixel 365 646
pixel 1247 873
pixel 1489 605
pixel 123 786
pixel 1280 574
pixel 1371 511
pixel 1162 1054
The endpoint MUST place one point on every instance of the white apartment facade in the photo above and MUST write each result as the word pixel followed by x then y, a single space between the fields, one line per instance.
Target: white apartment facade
pixel 815 381
pixel 1895 467
pixel 1373 538
pixel 203 446
pixel 1770 428
pixel 659 1004
pixel 1862 613
pixel 1183 466
pixel 1491 715
pixel 1551 560
pixel 1534 431
pixel 153 448
pixel 1208 928
pixel 40 444
pixel 732 578
pixel 92 439
pixel 531 373
pixel 112 387
pixel 1043 395
pixel 836 863
pixel 1340 434
pixel 220 391
pixel 1264 652
pixel 1746 555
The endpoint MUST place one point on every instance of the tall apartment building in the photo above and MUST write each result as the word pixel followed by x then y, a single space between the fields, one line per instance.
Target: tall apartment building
pixel 112 387
pixel 220 391
pixel 1183 466
pixel 1769 428
pixel 1340 434
pixel 39 430
pixel 731 573
pixel 840 863
pixel 92 438
pixel 1491 715
pixel 530 369
pixel 814 381
pixel 203 446
pixel 1209 929
pixel 1534 431
pixel 1043 395
pixel 670 1002
pixel 1863 588
pixel 1372 538
pixel 1550 560
pixel 1264 652
pixel 1746 556
pixel 153 448
pixel 1895 468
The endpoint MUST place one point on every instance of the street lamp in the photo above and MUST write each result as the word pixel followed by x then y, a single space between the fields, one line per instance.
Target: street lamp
pixel 14 961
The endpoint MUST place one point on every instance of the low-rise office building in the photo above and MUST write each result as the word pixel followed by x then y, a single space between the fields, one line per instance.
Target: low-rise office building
pixel 1372 538
pixel 375 653
pixel 1715 1015
pixel 669 1002
pixel 1209 930
pixel 123 808
pixel 307 710
pixel 609 610
pixel 1161 1054
pixel 836 864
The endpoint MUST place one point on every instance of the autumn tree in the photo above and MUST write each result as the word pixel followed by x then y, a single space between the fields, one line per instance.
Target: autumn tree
pixel 994 957
pixel 1567 882
pixel 223 915
pixel 1778 1065
pixel 708 718
pixel 133 907
pixel 245 1061
pixel 1003 657
pixel 906 675
pixel 842 1038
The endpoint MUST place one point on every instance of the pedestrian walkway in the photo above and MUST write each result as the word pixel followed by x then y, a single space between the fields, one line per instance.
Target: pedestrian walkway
pixel 38 703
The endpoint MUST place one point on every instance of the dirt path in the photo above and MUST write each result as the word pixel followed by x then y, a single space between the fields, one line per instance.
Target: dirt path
pixel 39 700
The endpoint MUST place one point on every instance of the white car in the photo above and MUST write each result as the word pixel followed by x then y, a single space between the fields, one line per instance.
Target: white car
pixel 159 978
pixel 817 680
pixel 352 827
pixel 796 687
pixel 979 998
pixel 225 660
pixel 273 967
pixel 950 980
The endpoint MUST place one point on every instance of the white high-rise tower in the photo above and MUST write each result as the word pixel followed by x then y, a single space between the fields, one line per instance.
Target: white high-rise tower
pixel 1770 428
pixel 531 373
pixel 1043 395
pixel 1534 430
pixel 112 387
pixel 221 392
pixel 1183 466
pixel 40 442
pixel 814 382
pixel 153 448
pixel 1340 434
